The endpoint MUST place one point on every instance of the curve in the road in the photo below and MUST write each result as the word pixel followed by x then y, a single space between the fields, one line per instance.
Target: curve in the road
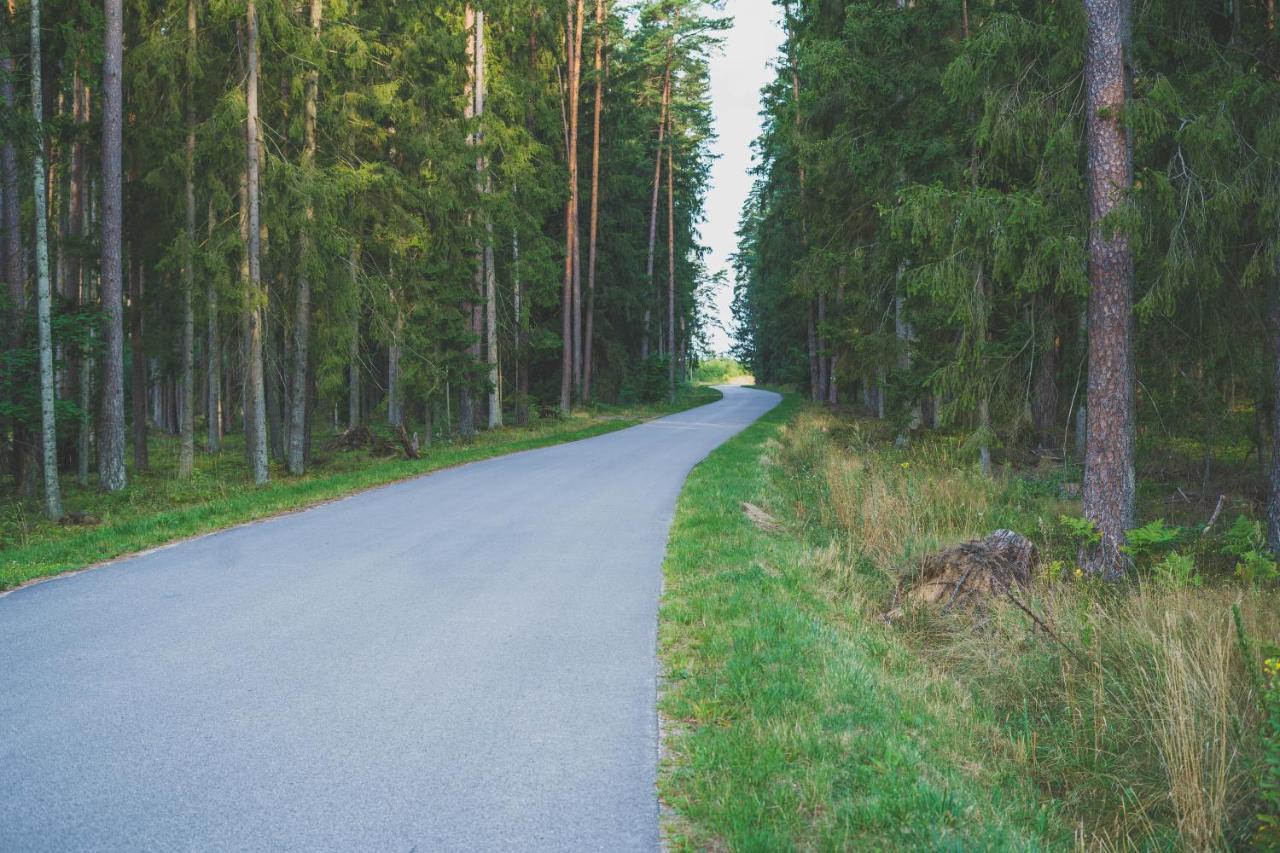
pixel 461 661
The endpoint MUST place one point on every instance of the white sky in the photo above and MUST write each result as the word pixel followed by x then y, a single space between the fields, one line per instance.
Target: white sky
pixel 737 75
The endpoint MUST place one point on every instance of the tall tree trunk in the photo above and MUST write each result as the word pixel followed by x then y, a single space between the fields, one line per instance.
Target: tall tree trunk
pixel 138 364
pixel 186 423
pixel 657 185
pixel 811 333
pixel 354 415
pixel 255 397
pixel 571 325
pixel 395 408
pixel 1273 467
pixel 213 367
pixel 671 261
pixel 473 20
pixel 1109 488
pixel 824 365
pixel 522 366
pixel 488 273
pixel 111 470
pixel 79 225
pixel 48 429
pixel 589 332
pixel 295 455
pixel 24 464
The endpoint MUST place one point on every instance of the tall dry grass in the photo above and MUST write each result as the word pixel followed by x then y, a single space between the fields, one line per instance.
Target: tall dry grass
pixel 1144 728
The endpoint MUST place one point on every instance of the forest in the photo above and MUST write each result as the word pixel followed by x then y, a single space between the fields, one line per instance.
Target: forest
pixel 282 221
pixel 1023 261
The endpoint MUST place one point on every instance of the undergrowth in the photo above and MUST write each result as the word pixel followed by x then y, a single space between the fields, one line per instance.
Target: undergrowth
pixel 1147 717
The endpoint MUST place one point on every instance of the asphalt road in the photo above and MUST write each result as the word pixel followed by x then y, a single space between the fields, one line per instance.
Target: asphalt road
pixel 465 661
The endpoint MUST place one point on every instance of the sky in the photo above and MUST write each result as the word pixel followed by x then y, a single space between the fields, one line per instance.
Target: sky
pixel 737 75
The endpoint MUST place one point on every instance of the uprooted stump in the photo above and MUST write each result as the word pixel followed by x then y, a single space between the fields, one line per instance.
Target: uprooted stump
pixel 973 571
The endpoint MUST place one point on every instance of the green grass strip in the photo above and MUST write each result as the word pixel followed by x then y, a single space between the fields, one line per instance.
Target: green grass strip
pixel 789 723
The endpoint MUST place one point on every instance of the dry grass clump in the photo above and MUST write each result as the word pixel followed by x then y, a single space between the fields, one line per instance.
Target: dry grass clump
pixel 1138 716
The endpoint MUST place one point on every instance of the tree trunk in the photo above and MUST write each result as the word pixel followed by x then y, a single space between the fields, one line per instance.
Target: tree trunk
pixel 395 409
pixel 489 274
pixel 24 463
pixel 48 429
pixel 671 262
pixel 1109 487
pixel 522 366
pixel 111 470
pixel 815 374
pixel 213 368
pixel 138 365
pixel 466 400
pixel 1273 468
pixel 571 354
pixel 295 455
pixel 589 331
pixel 657 185
pixel 256 427
pixel 575 188
pixel 354 415
pixel 186 425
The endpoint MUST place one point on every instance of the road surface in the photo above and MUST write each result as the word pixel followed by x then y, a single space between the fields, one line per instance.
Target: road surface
pixel 465 661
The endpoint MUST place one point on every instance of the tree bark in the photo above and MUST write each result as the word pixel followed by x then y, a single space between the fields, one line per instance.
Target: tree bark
pixel 24 463
pixel 466 399
pixel 256 427
pixel 1109 487
pixel 48 439
pixel 213 345
pixel 571 355
pixel 595 203
pixel 111 470
pixel 295 455
pixel 138 364
pixel 577 200
pixel 657 185
pixel 671 262
pixel 186 423
pixel 354 415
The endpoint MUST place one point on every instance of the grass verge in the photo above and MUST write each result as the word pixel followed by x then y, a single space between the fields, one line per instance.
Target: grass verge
pixel 158 509
pixel 801 718
pixel 792 723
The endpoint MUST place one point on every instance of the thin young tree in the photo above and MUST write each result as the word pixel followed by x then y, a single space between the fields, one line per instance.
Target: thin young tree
pixel 255 393
pixel 44 298
pixel 589 331
pixel 295 455
pixel 111 470
pixel 1109 487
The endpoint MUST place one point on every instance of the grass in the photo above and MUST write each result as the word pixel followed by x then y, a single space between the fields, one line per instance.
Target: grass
pixel 793 723
pixel 157 508
pixel 799 718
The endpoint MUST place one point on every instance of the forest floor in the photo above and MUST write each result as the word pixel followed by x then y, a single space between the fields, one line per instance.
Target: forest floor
pixel 797 716
pixel 158 509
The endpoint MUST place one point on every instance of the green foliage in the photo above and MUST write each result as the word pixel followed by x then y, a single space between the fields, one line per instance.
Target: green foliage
pixel 1255 565
pixel 1144 543
pixel 1176 571
pixel 1083 530
pixel 716 371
